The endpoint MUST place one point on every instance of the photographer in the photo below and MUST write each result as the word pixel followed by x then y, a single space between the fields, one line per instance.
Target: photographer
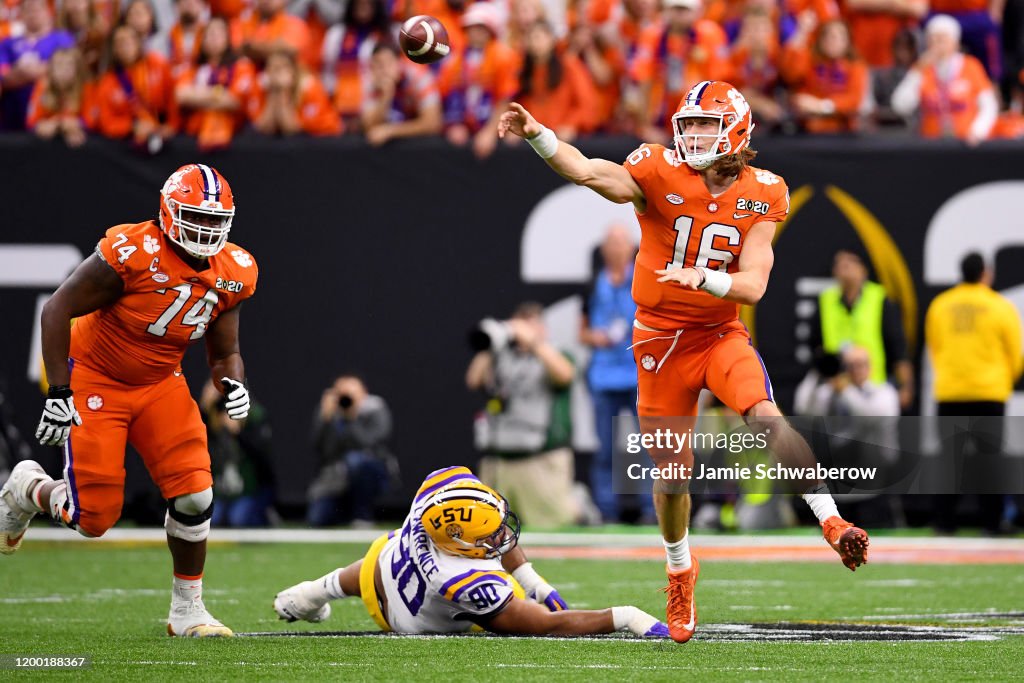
pixel 525 429
pixel 240 457
pixel 350 434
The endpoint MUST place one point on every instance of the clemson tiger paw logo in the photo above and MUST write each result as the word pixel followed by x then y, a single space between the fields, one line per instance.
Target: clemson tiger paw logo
pixel 94 402
pixel 241 258
pixel 453 531
pixel 766 177
pixel 648 362
pixel 150 244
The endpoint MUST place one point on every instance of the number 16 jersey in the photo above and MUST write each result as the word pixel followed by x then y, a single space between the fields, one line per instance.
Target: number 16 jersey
pixel 685 226
pixel 165 306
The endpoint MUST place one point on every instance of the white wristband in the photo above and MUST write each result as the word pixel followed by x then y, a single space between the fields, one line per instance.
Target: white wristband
pixel 527 577
pixel 544 143
pixel 716 282
pixel 632 619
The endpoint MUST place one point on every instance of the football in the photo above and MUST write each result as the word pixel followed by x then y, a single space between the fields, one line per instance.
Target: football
pixel 424 39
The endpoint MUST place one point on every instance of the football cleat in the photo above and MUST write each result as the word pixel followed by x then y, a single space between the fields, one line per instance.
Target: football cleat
pixel 681 611
pixel 849 541
pixel 294 604
pixel 189 619
pixel 16 506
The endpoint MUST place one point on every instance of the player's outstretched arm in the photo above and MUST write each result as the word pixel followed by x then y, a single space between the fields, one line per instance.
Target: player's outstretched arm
pixel 608 179
pixel 91 286
pixel 523 617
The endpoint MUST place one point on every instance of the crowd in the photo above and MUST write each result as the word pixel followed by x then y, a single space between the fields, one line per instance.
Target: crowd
pixel 144 70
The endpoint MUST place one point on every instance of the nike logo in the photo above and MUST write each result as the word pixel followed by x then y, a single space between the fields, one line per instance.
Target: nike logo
pixel 11 542
pixel 693 614
pixel 737 216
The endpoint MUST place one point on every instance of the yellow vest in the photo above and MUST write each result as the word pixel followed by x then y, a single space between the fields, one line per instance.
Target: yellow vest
pixel 860 326
pixel 974 337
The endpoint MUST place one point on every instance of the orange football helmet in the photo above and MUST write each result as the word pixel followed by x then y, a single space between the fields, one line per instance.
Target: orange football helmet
pixel 196 208
pixel 716 100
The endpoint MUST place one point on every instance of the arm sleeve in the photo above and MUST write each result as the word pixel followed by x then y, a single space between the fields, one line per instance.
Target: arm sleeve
pixel 893 338
pixel 118 252
pixel 907 95
pixel 988 110
pixel 482 595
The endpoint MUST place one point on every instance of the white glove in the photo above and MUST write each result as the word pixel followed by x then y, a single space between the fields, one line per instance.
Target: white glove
pixel 237 396
pixel 638 622
pixel 58 415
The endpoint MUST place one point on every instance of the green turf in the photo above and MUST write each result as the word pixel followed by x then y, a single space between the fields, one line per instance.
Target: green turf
pixel 109 602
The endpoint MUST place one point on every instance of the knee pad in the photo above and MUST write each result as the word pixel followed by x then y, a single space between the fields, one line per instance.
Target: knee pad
pixel 188 516
pixel 60 509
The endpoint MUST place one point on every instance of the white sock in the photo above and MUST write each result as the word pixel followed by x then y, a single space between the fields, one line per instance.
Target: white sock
pixel 187 589
pixel 678 553
pixel 821 504
pixel 328 586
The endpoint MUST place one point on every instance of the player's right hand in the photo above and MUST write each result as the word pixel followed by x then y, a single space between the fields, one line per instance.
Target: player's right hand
pixel 59 414
pixel 518 121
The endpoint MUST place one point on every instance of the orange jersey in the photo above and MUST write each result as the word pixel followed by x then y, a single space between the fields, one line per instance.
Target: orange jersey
pixel 166 305
pixel 472 81
pixel 184 47
pixel 685 226
pixel 292 31
pixel 316 115
pixel 957 6
pixel 39 111
pixel 844 82
pixel 143 90
pixel 949 107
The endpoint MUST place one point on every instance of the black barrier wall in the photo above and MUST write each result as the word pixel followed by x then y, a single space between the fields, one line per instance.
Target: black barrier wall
pixel 379 260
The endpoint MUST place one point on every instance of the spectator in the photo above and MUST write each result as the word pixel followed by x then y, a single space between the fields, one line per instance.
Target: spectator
pixel 607 327
pixel 622 23
pixel 347 49
pixel 58 104
pixel 974 337
pixel 351 432
pixel 523 14
pixel 526 429
pixel 401 99
pixel 477 82
pixel 318 15
pixel 240 456
pixel 676 53
pixel 754 68
pixel 979 22
pixel 83 20
pixel 140 15
pixel 23 60
pixel 556 87
pixel 830 81
pixel 286 100
pixel 185 39
pixel 267 28
pixel 951 90
pixel 211 95
pixel 857 312
pixel 134 98
pixel 874 25
pixel 606 67
pixel 885 79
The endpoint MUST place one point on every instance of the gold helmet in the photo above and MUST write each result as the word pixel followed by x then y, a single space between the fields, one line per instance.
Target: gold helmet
pixel 471 519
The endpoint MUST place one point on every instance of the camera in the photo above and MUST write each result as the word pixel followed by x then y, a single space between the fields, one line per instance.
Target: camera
pixel 345 401
pixel 491 335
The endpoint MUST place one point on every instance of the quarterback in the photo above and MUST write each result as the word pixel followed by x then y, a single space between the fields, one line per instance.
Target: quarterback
pixel 453 565
pixel 707 220
pixel 149 290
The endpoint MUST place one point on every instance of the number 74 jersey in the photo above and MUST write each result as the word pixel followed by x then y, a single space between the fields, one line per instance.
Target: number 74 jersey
pixel 165 306
pixel 685 226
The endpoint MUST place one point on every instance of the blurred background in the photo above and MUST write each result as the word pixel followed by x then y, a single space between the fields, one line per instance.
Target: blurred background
pixel 404 250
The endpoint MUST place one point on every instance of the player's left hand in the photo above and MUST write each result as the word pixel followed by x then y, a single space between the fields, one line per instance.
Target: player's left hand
pixel 546 595
pixel 59 414
pixel 237 406
pixel 688 278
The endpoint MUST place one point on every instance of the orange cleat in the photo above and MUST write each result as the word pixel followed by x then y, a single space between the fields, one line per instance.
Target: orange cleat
pixel 849 541
pixel 681 611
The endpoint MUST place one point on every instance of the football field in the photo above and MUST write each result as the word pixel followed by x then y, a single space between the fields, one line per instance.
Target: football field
pixel 762 616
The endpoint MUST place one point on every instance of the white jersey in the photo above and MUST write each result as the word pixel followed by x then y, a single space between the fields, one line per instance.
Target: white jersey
pixel 431 591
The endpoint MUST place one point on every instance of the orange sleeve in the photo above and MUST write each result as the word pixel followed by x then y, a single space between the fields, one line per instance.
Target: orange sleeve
pixel 645 60
pixel 795 65
pixel 599 11
pixel 113 111
pixel 849 100
pixel 507 82
pixel 980 81
pixel 36 112
pixel 317 115
pixel 585 99
pixel 243 80
pixel 778 198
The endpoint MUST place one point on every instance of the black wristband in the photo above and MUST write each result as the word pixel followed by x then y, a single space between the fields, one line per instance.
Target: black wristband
pixel 59 391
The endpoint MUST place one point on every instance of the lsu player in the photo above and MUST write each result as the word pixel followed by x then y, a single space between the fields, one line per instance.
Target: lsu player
pixel 149 290
pixel 456 563
pixel 707 220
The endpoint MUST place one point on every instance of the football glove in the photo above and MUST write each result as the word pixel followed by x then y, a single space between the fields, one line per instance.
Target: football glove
pixel 58 415
pixel 638 622
pixel 537 589
pixel 237 405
